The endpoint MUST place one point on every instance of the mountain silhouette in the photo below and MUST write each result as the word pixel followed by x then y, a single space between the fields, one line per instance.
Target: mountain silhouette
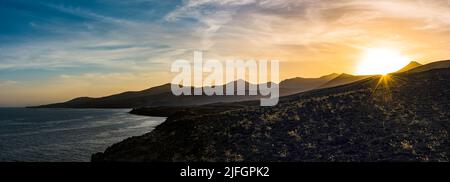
pixel 162 95
pixel 155 96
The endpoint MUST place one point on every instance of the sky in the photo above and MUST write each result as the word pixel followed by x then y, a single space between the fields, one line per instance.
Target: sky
pixel 55 50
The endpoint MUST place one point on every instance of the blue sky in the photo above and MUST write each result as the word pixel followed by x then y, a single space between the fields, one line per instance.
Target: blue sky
pixel 40 27
pixel 54 50
pixel 34 19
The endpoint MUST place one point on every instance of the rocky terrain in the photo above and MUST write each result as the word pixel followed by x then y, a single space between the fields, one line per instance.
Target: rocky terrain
pixel 399 117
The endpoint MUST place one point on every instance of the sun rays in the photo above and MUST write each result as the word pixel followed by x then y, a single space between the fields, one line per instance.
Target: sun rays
pixel 385 84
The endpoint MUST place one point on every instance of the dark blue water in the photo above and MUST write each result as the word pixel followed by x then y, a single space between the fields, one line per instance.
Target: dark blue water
pixel 66 134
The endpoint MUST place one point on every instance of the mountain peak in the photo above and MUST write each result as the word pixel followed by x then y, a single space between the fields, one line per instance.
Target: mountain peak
pixel 415 62
pixel 345 75
pixel 238 81
pixel 330 76
pixel 410 66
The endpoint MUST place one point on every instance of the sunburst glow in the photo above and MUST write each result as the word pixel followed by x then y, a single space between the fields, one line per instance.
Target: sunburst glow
pixel 381 61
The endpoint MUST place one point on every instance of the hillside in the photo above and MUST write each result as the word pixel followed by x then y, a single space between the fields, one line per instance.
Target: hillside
pixel 403 117
pixel 431 66
pixel 343 79
pixel 297 85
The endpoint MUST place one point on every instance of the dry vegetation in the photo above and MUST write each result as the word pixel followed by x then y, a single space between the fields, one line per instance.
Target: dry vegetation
pixel 403 118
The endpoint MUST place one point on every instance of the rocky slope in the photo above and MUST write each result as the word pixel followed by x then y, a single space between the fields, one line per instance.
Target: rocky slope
pixel 401 117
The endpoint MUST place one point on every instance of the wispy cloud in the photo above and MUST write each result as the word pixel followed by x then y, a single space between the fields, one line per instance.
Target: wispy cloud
pixel 93 16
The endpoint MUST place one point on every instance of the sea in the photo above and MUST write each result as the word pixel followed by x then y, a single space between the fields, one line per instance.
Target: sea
pixel 66 135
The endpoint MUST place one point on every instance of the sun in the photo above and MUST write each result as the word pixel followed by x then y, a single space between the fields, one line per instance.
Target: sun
pixel 381 61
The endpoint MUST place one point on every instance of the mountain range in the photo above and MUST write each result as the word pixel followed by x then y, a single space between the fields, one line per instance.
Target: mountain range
pixel 162 95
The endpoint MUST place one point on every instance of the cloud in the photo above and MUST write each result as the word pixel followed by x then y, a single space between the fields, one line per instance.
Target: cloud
pixel 117 42
pixel 92 15
pixel 220 27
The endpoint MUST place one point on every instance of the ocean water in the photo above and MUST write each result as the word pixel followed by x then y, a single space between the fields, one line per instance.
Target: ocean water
pixel 62 135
